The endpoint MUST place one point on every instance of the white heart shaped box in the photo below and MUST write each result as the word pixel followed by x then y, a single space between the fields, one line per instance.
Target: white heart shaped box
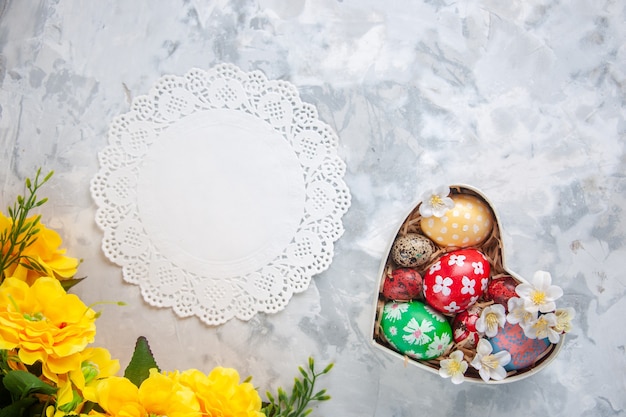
pixel 493 245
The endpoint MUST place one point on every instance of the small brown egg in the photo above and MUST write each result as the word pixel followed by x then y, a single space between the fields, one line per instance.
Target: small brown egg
pixel 412 250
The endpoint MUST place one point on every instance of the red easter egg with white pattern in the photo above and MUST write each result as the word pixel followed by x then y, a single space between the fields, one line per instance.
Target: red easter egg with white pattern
pixel 456 280
pixel 464 327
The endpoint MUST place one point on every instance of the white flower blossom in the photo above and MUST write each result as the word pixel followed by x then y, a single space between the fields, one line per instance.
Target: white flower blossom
pixel 490 366
pixel 543 327
pixel 454 367
pixel 442 285
pixel 564 317
pixel 540 295
pixel 436 202
pixel 519 315
pixel 491 319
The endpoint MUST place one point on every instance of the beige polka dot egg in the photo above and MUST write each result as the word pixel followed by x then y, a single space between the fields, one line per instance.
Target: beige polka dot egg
pixel 467 224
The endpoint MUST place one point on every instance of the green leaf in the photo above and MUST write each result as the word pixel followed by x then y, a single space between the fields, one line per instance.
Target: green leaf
pixel 22 383
pixel 141 362
pixel 69 283
pixel 18 408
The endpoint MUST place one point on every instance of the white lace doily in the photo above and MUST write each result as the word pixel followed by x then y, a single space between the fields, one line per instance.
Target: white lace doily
pixel 220 194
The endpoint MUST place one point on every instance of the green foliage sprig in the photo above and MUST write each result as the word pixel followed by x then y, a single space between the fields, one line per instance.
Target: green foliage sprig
pixel 295 404
pixel 23 231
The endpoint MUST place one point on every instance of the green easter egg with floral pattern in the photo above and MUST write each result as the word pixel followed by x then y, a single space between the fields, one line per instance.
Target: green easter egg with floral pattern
pixel 416 330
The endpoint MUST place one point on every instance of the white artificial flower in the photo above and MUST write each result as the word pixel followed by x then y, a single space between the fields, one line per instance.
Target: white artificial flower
pixel 454 367
pixel 436 202
pixel 491 319
pixel 490 366
pixel 519 315
pixel 543 327
pixel 540 295
pixel 564 318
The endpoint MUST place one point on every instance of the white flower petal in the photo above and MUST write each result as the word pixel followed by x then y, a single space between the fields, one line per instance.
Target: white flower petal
pixel 503 357
pixel 498 374
pixel 485 374
pixel 484 347
pixel 553 336
pixel 425 210
pixel 441 189
pixel 458 378
pixel 524 290
pixel 547 307
pixel 554 292
pixel 542 280
pixel 457 355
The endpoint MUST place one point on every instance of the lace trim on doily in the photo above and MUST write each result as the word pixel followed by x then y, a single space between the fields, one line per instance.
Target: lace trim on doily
pixel 170 171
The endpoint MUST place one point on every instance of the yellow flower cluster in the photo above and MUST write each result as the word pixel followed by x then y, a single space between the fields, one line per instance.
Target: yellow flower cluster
pixel 187 394
pixel 42 325
pixel 45 249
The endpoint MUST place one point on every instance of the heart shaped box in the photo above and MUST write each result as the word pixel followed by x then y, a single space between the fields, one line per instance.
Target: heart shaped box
pixel 492 244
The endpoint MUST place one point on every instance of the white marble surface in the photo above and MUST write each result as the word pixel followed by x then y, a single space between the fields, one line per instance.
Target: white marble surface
pixel 521 99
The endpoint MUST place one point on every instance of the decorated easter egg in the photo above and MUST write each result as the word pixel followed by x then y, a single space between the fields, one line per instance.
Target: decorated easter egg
pixel 468 223
pixel 456 280
pixel 412 250
pixel 524 351
pixel 416 330
pixel 464 327
pixel 501 289
pixel 403 284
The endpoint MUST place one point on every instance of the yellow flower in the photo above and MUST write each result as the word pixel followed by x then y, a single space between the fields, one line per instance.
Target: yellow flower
pixel 96 364
pixel 158 395
pixel 45 250
pixel 221 394
pixel 68 401
pixel 45 324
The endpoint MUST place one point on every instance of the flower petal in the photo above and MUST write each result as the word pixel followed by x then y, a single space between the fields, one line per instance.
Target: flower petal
pixel 503 357
pixel 485 374
pixel 458 378
pixel 484 348
pixel 547 307
pixel 554 292
pixel 542 280
pixel 457 355
pixel 524 290
pixel 498 374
